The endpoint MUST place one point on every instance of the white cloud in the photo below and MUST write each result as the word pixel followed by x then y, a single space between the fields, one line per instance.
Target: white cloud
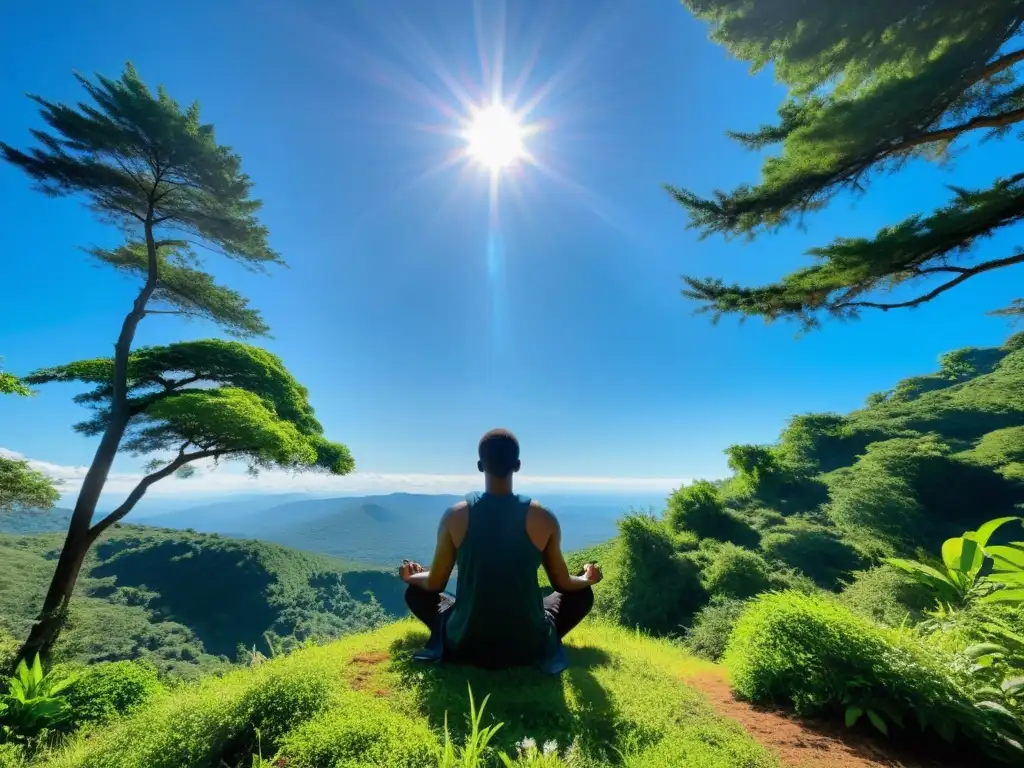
pixel 227 478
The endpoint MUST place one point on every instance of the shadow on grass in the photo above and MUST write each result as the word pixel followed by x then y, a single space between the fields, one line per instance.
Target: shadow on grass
pixel 528 703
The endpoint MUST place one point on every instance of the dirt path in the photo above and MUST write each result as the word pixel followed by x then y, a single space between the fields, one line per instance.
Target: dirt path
pixel 801 743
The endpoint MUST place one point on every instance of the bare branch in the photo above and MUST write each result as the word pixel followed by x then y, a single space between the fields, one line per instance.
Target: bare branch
pixel 140 490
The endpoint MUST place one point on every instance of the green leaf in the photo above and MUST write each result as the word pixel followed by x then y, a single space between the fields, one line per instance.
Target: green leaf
pixel 853 715
pixel 999 709
pixel 983 649
pixel 37 671
pixel 978 650
pixel 931 575
pixel 988 693
pixel 984 532
pixel 17 691
pixel 1007 578
pixel 1013 685
pixel 877 721
pixel 1004 596
pixel 962 555
pixel 1008 557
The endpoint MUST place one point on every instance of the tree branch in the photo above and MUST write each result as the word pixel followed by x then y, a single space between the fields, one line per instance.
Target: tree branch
pixel 933 270
pixel 1003 62
pixel 948 134
pixel 140 490
pixel 966 274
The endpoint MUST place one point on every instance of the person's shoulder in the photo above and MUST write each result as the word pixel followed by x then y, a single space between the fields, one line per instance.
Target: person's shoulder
pixel 459 508
pixel 540 511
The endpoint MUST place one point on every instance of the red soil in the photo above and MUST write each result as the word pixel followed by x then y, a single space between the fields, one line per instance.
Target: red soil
pixel 803 743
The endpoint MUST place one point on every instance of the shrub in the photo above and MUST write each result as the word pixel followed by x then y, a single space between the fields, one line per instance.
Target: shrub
pixel 887 596
pixel 816 655
pixel 12 756
pixel 736 572
pixel 782 578
pixel 106 690
pixel 360 732
pixel 764 519
pixel 8 652
pixel 699 508
pixel 695 507
pixel 813 549
pixel 712 626
pixel 651 586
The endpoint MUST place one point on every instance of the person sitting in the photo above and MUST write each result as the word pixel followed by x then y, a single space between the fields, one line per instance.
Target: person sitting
pixel 498 539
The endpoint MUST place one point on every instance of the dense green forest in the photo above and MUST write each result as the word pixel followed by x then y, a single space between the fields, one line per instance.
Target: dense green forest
pixel 188 603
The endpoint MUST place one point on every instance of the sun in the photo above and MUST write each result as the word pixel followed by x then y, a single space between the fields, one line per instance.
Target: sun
pixel 495 137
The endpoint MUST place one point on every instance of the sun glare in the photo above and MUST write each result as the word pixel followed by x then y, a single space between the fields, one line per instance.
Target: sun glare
pixel 495 138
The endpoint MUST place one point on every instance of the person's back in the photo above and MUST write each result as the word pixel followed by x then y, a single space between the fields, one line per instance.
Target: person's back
pixel 498 618
pixel 498 540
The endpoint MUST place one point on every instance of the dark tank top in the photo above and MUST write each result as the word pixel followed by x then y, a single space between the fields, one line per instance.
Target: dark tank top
pixel 498 618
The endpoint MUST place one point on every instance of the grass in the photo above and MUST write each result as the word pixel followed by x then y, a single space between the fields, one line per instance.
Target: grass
pixel 362 701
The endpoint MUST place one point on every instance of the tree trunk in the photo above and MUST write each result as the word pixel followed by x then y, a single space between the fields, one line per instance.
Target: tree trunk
pixel 51 618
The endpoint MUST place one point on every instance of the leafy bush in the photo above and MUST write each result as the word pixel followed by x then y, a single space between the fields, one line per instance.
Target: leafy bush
pixel 106 690
pixel 813 549
pixel 814 654
pixel 764 519
pixel 357 732
pixel 651 585
pixel 767 474
pixel 876 510
pixel 12 756
pixel 712 625
pixel 8 650
pixel 915 491
pixel 736 572
pixel 699 508
pixel 782 578
pixel 887 596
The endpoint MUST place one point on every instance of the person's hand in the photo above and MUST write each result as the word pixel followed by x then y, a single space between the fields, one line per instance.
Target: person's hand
pixel 592 573
pixel 409 568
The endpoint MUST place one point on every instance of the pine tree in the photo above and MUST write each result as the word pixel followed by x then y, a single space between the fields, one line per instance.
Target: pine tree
pixel 153 169
pixel 872 86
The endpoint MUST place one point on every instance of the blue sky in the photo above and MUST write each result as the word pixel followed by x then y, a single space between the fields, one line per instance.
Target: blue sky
pixel 410 343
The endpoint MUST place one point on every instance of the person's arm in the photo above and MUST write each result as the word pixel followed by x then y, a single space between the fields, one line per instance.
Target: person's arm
pixel 436 578
pixel 558 570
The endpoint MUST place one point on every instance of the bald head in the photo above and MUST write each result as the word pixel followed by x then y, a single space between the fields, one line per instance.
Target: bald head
pixel 499 453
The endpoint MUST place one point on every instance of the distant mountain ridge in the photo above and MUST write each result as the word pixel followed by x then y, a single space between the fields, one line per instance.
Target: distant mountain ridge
pixel 384 529
pixel 378 530
pixel 35 520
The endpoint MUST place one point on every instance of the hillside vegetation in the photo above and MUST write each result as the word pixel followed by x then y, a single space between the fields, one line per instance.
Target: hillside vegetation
pixel 934 456
pixel 187 601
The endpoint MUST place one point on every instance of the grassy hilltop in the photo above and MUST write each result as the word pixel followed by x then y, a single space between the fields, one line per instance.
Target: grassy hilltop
pixel 361 702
